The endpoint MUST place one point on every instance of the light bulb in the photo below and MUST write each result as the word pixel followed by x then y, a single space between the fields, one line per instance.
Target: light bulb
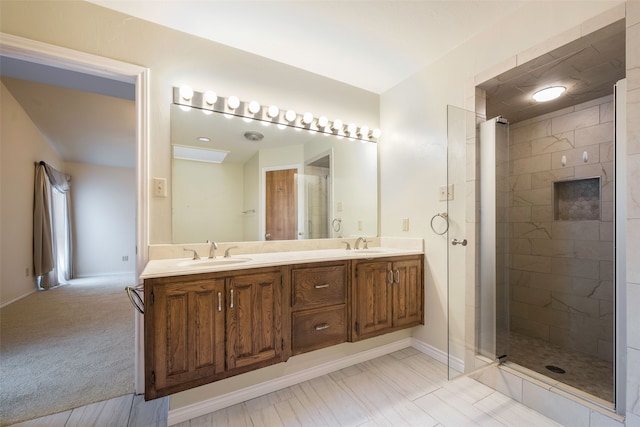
pixel 273 111
pixel 254 107
pixel 337 125
pixel 210 97
pixel 186 92
pixel 323 121
pixel 290 115
pixel 376 133
pixel 364 131
pixel 233 102
pixel 307 118
pixel 352 128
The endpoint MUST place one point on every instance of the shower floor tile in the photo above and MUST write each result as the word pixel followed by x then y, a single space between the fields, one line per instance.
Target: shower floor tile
pixel 587 373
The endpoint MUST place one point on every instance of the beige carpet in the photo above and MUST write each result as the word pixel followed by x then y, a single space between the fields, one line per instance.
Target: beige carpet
pixel 65 348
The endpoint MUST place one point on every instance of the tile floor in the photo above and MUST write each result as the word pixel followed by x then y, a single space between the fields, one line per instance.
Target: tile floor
pixel 124 411
pixel 400 389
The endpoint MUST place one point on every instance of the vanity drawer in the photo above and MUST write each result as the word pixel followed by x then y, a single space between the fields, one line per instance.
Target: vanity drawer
pixel 318 328
pixel 316 286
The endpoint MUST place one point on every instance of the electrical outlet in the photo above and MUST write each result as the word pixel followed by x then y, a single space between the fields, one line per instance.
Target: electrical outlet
pixel 125 258
pixel 359 225
pixel 26 272
pixel 405 224
pixel 446 193
pixel 339 207
pixel 160 187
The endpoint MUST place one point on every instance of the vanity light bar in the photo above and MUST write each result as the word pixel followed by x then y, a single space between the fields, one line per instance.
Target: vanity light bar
pixel 209 101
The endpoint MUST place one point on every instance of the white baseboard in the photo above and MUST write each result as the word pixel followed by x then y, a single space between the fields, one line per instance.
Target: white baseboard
pixel 439 355
pixel 204 407
pixel 4 304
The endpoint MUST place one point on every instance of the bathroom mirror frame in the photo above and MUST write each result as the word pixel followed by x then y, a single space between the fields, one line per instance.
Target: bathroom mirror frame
pixel 351 188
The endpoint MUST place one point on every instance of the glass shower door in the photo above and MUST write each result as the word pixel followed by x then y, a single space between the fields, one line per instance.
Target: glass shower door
pixel 476 299
pixel 458 242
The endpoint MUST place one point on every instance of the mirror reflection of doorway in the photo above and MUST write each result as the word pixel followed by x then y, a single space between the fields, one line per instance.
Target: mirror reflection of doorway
pixel 317 181
pixel 281 207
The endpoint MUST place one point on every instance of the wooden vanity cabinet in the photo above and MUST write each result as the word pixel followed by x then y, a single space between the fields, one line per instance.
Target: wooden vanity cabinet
pixel 318 306
pixel 205 327
pixel 387 295
pixel 201 328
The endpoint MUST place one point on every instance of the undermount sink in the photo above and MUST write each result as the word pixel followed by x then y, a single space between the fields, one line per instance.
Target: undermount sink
pixel 366 251
pixel 214 262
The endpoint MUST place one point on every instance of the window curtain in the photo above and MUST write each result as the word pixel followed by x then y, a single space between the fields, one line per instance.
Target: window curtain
pixel 52 239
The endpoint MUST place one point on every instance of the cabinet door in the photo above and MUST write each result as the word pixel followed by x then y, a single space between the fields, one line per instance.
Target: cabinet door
pixel 188 333
pixel 373 296
pixel 407 293
pixel 254 319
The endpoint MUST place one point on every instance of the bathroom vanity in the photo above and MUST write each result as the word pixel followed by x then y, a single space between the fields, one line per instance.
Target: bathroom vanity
pixel 206 320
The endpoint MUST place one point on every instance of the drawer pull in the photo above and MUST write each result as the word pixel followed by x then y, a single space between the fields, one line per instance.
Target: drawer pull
pixel 397 279
pixel 322 327
pixel 219 301
pixel 326 285
pixel 390 277
pixel 231 305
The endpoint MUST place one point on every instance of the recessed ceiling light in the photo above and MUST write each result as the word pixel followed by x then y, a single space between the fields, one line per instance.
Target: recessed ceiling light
pixel 204 139
pixel 549 93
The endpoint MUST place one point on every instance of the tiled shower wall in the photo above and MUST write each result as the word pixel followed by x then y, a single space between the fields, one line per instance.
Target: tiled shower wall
pixel 561 271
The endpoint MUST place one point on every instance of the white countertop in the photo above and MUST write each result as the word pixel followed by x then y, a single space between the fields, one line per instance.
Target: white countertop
pixel 184 266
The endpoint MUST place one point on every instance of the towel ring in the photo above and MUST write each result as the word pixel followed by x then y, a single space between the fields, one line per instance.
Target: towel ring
pixel 444 216
pixel 336 224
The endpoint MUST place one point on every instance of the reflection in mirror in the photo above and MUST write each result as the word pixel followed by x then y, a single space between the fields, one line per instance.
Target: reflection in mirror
pixel 237 180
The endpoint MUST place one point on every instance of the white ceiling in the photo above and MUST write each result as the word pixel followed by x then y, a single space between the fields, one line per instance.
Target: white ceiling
pixel 373 45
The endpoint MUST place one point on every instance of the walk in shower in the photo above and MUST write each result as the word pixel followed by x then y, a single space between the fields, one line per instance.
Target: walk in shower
pixel 538 289
pixel 554 246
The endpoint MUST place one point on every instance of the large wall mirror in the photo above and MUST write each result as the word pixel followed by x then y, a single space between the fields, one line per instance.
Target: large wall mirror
pixel 235 179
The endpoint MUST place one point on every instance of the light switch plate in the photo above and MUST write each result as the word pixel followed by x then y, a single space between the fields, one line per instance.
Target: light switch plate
pixel 160 187
pixel 446 193
pixel 405 224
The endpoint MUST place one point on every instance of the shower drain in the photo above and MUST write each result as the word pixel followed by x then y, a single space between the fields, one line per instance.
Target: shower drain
pixel 555 369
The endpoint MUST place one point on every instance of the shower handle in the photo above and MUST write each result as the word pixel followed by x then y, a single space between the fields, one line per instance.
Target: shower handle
pixel 455 242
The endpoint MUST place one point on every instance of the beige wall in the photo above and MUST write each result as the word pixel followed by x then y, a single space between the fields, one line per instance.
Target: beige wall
pixel 22 145
pixel 561 270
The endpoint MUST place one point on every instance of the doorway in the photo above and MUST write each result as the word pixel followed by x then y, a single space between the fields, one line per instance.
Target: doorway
pixel 66 59
pixel 281 204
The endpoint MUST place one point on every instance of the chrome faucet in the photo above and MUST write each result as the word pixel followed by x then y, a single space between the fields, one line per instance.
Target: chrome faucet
pixel 226 252
pixel 348 245
pixel 195 253
pixel 357 243
pixel 212 249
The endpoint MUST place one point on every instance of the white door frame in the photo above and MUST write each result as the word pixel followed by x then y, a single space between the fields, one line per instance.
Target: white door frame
pixel 59 57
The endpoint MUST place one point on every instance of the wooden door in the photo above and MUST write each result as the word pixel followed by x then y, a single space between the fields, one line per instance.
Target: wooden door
pixel 281 210
pixel 407 293
pixel 373 298
pixel 254 319
pixel 187 323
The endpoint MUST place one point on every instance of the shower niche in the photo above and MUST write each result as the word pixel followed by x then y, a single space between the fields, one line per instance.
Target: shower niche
pixel 577 199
